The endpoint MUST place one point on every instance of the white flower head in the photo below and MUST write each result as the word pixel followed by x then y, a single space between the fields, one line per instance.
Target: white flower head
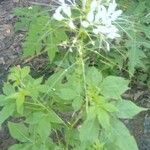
pixel 101 19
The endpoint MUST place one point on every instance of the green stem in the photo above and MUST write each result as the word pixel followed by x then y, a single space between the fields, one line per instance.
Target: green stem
pixel 80 50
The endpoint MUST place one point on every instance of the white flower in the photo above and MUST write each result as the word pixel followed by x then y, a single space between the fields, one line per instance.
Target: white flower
pixel 64 12
pixel 101 19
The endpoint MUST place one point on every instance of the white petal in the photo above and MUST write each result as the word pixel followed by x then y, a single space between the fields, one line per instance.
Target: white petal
pixel 112 7
pixel 57 15
pixel 113 35
pixel 93 5
pixel 112 29
pixel 103 29
pixel 95 31
pixel 98 15
pixel 116 14
pixel 84 4
pixel 85 24
pixel 67 10
pixel 71 25
pixel 103 15
pixel 90 16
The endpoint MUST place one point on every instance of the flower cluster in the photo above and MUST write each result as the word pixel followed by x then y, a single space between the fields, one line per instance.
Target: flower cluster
pixel 100 18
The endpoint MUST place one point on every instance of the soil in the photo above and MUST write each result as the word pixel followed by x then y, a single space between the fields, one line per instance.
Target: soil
pixel 10 55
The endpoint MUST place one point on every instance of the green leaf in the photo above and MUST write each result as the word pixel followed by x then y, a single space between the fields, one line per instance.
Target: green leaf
pixel 67 94
pixel 3 100
pixel 72 136
pixel 113 87
pixel 89 131
pixel 55 78
pixel 25 72
pixel 127 109
pixel 20 147
pixel 19 132
pixel 37 34
pixel 6 112
pixel 35 117
pixel 42 124
pixel 121 137
pixel 8 89
pixel 20 98
pixel 35 88
pixel 77 103
pixel 135 54
pixel 17 74
pixel 104 119
pixel 94 76
pixel 54 39
pixel 43 128
pixel 54 118
pixel 52 48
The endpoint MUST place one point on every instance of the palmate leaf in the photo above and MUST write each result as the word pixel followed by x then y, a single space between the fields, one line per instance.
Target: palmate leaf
pixel 43 32
pixel 37 33
pixel 135 53
pixel 138 34
pixel 25 16
pixel 17 74
pixel 54 38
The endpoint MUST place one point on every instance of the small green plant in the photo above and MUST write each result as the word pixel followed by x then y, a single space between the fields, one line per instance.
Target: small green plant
pixel 79 106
